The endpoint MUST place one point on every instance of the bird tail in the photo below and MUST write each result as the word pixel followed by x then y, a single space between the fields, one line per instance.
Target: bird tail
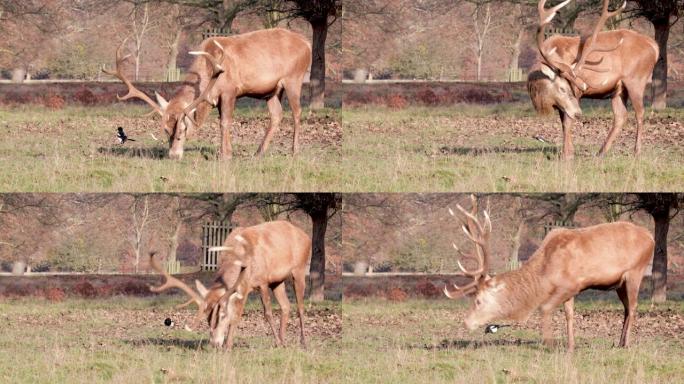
pixel 130 140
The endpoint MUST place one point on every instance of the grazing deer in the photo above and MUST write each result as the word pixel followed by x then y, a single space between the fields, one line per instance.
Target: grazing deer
pixel 614 64
pixel 258 64
pixel 569 261
pixel 262 256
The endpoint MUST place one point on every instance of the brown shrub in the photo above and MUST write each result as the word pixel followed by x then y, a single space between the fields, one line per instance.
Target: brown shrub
pixel 54 101
pixel 396 101
pixel 85 289
pixel 85 96
pixel 134 288
pixel 426 289
pixel 397 294
pixel 352 291
pixel 427 97
pixel 54 294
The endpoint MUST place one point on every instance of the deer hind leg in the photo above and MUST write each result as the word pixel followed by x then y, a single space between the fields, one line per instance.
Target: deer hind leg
pixel 268 313
pixel 619 119
pixel 293 89
pixel 227 106
pixel 629 295
pixel 569 307
pixel 275 109
pixel 281 295
pixel 300 287
pixel 636 96
pixel 568 148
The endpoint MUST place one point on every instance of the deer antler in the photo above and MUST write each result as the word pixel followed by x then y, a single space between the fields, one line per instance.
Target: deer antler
pixel 132 90
pixel 545 18
pixel 217 69
pixel 172 282
pixel 479 234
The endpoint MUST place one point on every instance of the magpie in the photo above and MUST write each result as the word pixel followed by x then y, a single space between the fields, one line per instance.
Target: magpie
pixel 121 136
pixel 168 322
pixel 494 328
pixel 540 139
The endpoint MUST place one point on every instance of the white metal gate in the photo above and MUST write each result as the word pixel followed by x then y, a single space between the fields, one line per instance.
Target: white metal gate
pixel 214 233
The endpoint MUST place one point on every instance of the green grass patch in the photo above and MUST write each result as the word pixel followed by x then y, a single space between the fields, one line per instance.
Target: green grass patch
pixel 495 148
pixel 74 150
pixel 123 340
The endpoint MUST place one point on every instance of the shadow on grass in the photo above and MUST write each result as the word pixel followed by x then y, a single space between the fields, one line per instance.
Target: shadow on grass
pixel 180 343
pixel 550 152
pixel 476 344
pixel 154 152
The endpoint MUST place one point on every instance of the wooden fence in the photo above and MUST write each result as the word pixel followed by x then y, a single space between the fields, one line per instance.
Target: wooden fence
pixel 215 32
pixel 214 233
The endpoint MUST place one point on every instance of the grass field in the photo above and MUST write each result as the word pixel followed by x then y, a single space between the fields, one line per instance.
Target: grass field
pixel 123 340
pixel 425 341
pixel 74 150
pixel 492 148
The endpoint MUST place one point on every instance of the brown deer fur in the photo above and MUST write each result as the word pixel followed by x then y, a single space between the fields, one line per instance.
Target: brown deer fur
pixel 260 64
pixel 618 65
pixel 259 257
pixel 569 261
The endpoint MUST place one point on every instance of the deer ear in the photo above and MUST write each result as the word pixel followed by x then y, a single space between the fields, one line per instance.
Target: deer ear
pixel 550 73
pixel 163 104
pixel 201 288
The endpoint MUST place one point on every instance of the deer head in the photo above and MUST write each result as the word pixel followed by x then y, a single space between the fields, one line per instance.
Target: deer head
pixel 216 304
pixel 483 289
pixel 558 84
pixel 177 115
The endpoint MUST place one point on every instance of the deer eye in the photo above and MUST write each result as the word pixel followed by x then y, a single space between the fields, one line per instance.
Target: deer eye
pixel 477 302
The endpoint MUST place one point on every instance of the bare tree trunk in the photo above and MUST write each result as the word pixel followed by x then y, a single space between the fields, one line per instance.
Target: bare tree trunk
pixel 317 269
pixel 139 225
pixel 659 86
pixel 515 49
pixel 171 63
pixel 481 33
pixel 662 226
pixel 317 78
pixel 517 238
pixel 140 28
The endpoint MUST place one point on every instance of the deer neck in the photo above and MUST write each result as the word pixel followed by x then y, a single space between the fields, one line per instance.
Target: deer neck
pixel 526 290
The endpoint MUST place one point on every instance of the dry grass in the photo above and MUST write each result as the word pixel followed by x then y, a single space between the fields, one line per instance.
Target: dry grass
pixel 124 341
pixel 425 341
pixel 74 150
pixel 476 148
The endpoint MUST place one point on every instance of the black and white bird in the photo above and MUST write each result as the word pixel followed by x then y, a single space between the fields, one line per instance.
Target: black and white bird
pixel 540 139
pixel 121 136
pixel 494 328
pixel 168 322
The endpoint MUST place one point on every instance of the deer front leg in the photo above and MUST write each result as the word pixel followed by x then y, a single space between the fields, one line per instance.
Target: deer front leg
pixel 568 148
pixel 239 307
pixel 226 111
pixel 570 319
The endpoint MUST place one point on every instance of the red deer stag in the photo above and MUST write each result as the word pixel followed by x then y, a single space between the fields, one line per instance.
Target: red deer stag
pixel 614 64
pixel 258 64
pixel 262 256
pixel 569 261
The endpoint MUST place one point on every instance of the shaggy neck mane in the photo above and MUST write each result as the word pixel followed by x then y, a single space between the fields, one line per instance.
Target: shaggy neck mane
pixel 525 290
